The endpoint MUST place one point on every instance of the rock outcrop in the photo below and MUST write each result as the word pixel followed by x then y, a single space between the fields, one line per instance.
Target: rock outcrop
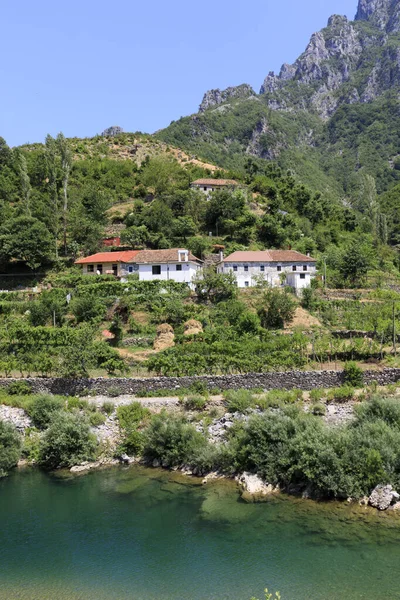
pixel 215 97
pixel 383 496
pixel 254 489
pixel 112 131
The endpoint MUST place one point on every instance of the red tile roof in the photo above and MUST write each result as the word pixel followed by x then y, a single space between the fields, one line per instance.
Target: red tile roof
pixel 162 256
pixel 278 256
pixel 216 182
pixel 108 257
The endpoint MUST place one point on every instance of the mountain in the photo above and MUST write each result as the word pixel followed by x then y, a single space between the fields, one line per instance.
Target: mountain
pixel 330 117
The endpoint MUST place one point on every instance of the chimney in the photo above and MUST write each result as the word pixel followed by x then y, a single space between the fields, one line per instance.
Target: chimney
pixel 221 255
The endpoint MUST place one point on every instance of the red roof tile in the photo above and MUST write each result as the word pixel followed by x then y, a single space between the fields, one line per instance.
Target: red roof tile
pixel 108 257
pixel 216 182
pixel 269 256
pixel 162 256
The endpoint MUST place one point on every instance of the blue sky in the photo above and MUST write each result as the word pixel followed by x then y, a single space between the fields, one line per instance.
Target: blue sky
pixel 81 66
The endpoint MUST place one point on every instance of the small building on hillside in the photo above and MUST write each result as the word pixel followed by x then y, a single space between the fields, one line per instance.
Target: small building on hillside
pixel 176 264
pixel 110 242
pixel 108 263
pixel 211 185
pixel 276 267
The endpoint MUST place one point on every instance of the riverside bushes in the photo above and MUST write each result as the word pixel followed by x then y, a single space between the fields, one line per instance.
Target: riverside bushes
pixel 67 442
pixel 10 447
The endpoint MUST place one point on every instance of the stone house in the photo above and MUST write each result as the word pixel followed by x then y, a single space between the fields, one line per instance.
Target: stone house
pixel 176 264
pixel 277 267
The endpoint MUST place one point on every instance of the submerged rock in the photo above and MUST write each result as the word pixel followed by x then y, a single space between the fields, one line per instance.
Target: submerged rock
pixel 254 488
pixel 383 496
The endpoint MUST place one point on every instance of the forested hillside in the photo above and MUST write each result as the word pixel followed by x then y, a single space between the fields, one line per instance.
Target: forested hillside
pixel 331 118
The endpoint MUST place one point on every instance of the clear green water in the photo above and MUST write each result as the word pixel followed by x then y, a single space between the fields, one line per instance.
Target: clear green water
pixel 147 535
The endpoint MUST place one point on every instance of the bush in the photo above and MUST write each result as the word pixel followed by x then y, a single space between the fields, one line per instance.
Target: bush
pixel 195 403
pixel 341 394
pixel 19 388
pixel 108 408
pixel 172 441
pixel 114 391
pixel 276 309
pixel 130 416
pixel 318 410
pixel 43 408
pixel 10 447
pixel 96 419
pixel 317 395
pixel 239 400
pixel 353 375
pixel 66 442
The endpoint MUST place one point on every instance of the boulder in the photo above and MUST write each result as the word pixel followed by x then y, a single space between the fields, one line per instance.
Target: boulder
pixel 382 497
pixel 254 489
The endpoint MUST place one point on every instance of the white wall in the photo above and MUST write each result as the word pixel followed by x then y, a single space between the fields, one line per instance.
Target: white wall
pixel 270 274
pixel 169 272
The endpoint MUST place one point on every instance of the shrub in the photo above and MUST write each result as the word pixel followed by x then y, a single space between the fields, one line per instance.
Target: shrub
pixel 317 395
pixel 66 442
pixel 96 418
pixel 43 408
pixel 384 409
pixel 108 408
pixel 10 447
pixel 353 375
pixel 341 394
pixel 239 400
pixel 19 388
pixel 114 391
pixel 318 410
pixel 130 416
pixel 195 402
pixel 276 309
pixel 172 441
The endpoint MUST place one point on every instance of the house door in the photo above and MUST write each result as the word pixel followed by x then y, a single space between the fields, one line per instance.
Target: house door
pixel 115 270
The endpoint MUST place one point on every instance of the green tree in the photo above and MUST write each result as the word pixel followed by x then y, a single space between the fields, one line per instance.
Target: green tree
pixel 10 447
pixel 66 166
pixel 51 166
pixel 67 442
pixel 25 184
pixel 25 239
pixel 215 287
pixel 356 261
pixel 276 308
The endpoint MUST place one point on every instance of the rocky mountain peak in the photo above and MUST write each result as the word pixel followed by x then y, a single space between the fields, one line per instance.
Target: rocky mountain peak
pixel 385 14
pixel 217 96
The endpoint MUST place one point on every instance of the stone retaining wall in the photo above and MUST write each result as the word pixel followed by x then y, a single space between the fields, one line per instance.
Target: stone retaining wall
pixel 305 380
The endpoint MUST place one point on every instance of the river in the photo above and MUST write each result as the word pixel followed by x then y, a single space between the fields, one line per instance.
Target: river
pixel 142 534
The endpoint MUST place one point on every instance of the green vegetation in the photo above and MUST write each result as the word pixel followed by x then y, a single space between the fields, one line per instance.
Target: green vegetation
pixel 66 442
pixel 10 447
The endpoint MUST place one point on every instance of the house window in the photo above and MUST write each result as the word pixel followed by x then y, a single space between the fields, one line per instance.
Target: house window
pixel 156 269
pixel 302 276
pixel 246 284
pixel 100 269
pixel 115 269
pixel 205 189
pixel 262 268
pixel 90 268
pixel 235 268
pixel 279 269
pixel 294 268
pixel 130 269
pixel 304 267
pixel 179 267
pixel 246 268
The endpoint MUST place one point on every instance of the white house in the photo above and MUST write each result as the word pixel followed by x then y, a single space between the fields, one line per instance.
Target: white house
pixel 277 267
pixel 211 185
pixel 177 264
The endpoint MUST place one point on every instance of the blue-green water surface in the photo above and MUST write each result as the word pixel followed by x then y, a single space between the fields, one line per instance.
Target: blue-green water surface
pixel 148 535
